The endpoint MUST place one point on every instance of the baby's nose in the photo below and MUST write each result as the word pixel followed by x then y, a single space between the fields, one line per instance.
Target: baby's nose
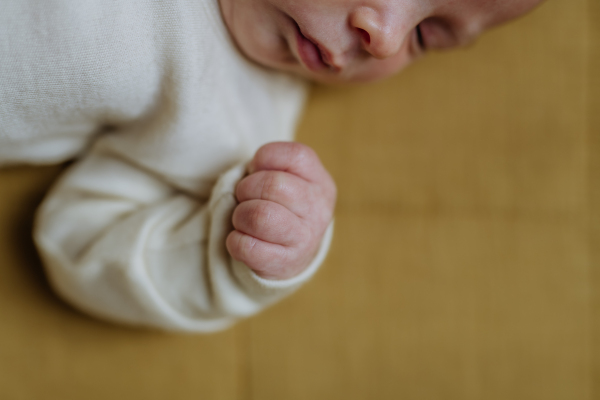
pixel 378 37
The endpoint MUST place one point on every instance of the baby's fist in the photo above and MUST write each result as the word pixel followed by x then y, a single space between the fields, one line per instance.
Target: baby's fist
pixel 285 206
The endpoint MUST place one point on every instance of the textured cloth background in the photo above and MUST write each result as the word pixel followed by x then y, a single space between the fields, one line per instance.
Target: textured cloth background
pixel 464 266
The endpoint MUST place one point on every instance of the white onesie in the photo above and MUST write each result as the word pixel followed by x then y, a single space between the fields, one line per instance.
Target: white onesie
pixel 163 113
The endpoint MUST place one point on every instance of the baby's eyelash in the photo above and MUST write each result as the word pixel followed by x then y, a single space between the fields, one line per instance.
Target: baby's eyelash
pixel 420 37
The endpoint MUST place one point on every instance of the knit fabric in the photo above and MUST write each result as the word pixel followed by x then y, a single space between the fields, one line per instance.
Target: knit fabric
pixel 162 113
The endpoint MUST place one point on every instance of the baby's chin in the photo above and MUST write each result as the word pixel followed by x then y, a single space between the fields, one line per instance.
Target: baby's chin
pixel 300 71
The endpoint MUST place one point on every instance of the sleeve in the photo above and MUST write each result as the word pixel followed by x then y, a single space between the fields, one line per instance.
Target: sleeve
pixel 121 243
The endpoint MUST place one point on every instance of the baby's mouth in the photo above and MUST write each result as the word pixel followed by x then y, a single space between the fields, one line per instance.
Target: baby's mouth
pixel 311 54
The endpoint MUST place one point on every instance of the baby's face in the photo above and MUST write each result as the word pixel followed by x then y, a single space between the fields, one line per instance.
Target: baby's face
pixel 357 40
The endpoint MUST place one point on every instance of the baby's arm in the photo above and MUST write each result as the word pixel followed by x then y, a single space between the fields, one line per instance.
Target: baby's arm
pixel 120 242
pixel 286 204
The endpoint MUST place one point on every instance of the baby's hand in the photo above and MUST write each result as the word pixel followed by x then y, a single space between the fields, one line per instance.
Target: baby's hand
pixel 286 204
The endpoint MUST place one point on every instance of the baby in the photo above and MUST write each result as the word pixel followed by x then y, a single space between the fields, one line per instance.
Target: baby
pixel 188 207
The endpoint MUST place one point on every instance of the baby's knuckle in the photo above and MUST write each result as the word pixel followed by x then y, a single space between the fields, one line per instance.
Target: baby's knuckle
pixel 240 246
pixel 241 189
pixel 247 246
pixel 300 152
pixel 231 243
pixel 240 215
pixel 267 150
pixel 245 249
pixel 260 216
pixel 274 186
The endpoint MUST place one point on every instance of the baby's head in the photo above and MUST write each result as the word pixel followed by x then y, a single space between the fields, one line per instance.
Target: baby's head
pixel 357 40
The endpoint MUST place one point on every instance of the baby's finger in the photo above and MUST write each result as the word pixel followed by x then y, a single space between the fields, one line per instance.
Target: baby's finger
pixel 292 157
pixel 292 192
pixel 268 260
pixel 270 222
